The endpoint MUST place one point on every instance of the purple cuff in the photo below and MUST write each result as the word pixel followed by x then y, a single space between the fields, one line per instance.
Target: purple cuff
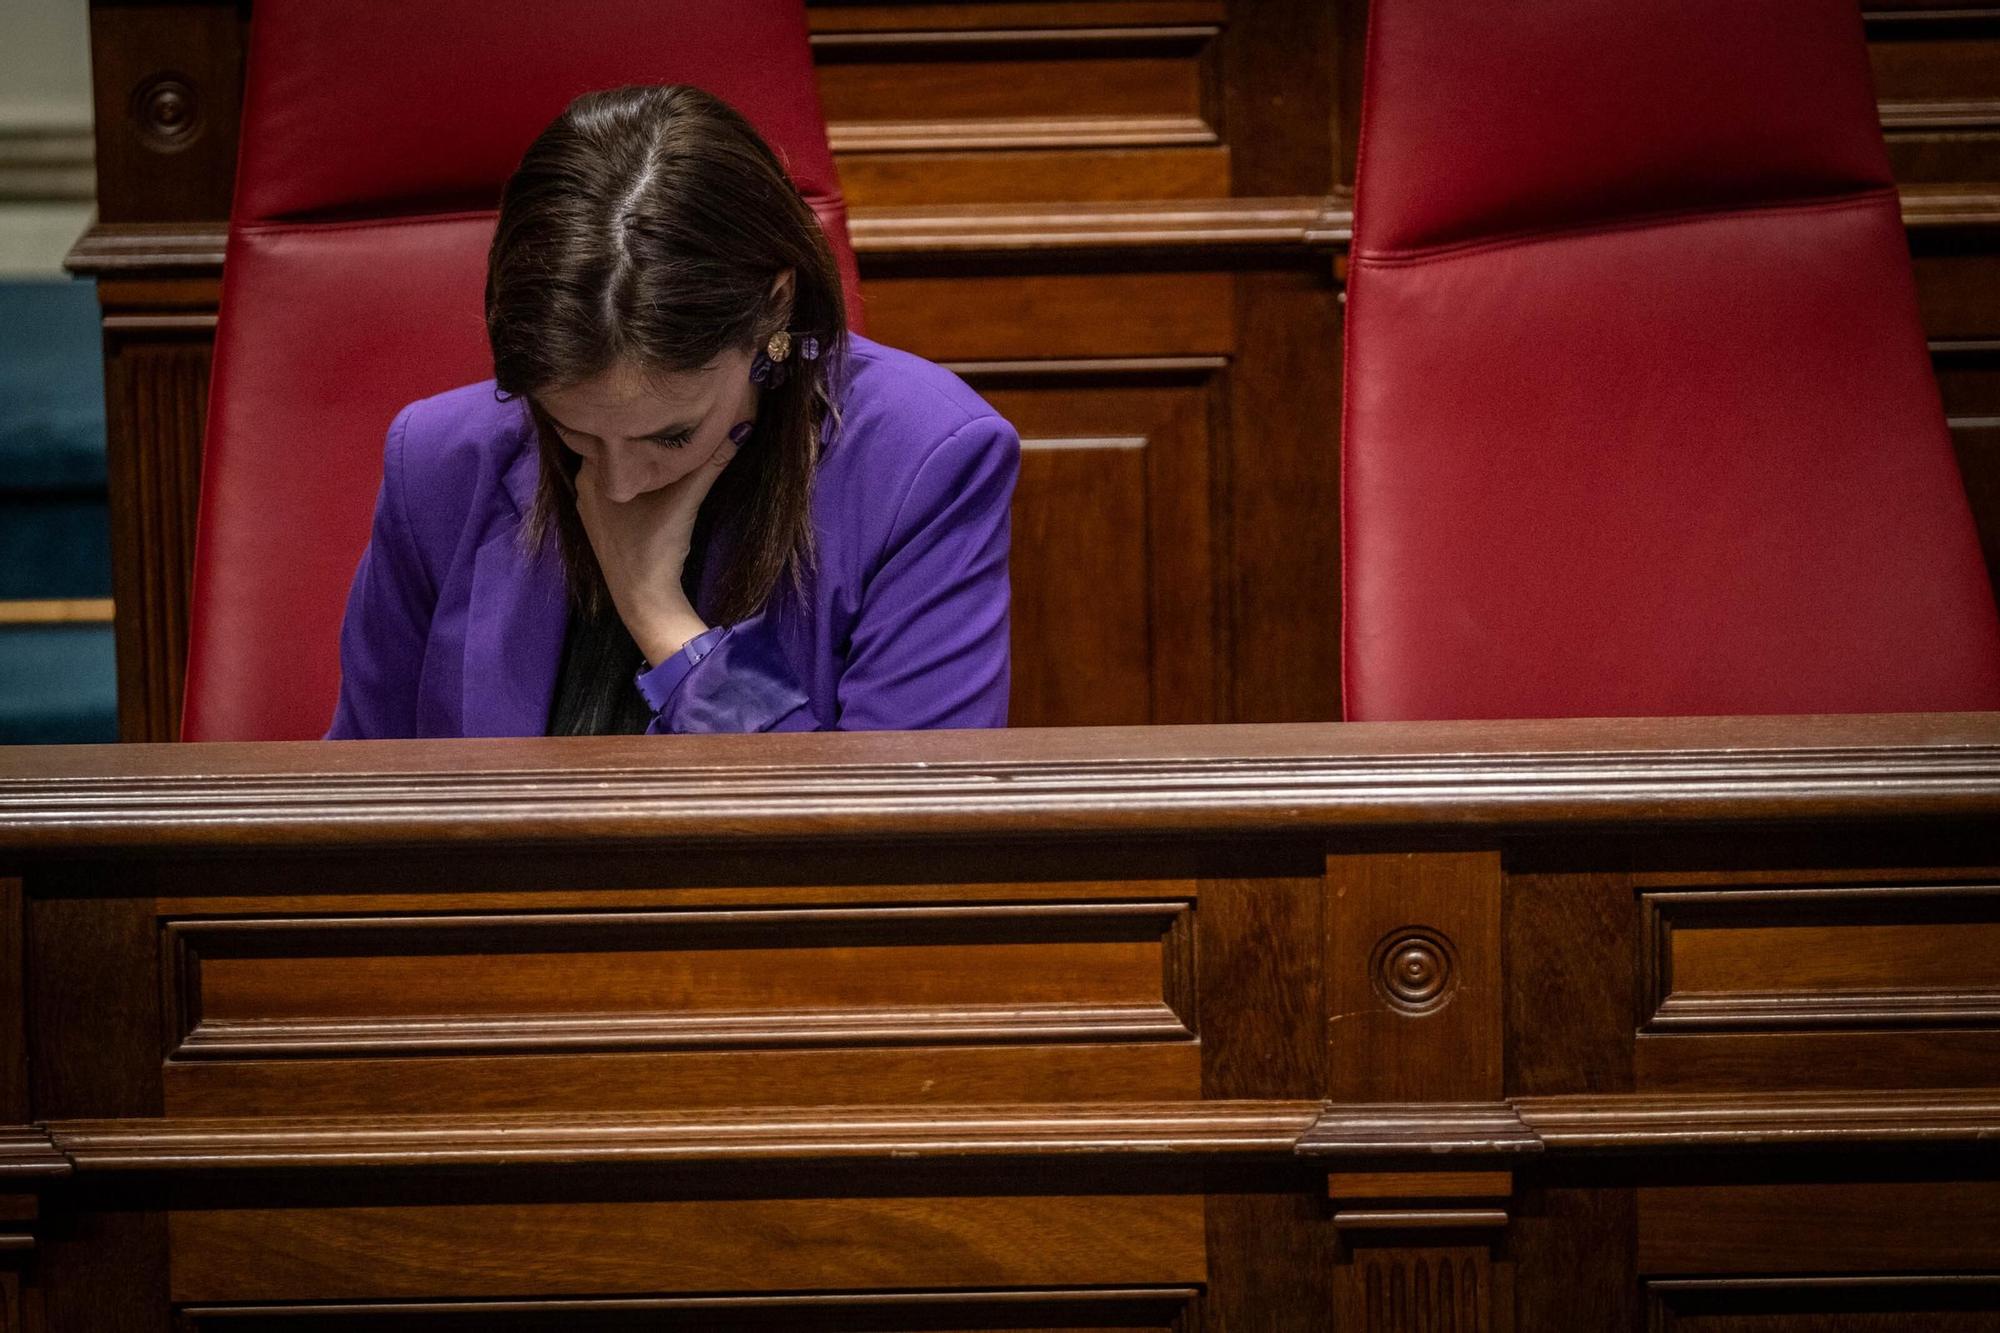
pixel 657 686
pixel 736 679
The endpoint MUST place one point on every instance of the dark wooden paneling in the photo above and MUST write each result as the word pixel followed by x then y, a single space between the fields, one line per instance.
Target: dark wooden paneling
pixel 1282 488
pixel 1413 978
pixel 1943 1303
pixel 1114 562
pixel 1572 947
pixel 913 1076
pixel 691 1245
pixel 1156 1310
pixel 169 89
pixel 1935 76
pixel 157 356
pixel 93 1003
pixel 746 979
pixel 1923 1226
pixel 1777 959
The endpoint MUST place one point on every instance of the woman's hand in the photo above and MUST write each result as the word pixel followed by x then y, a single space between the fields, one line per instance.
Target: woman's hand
pixel 642 546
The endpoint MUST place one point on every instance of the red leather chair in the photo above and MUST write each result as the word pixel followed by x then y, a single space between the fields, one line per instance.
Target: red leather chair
pixel 1639 417
pixel 376 137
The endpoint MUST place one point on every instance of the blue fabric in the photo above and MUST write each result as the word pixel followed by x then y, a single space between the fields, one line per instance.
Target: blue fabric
pixel 54 546
pixel 58 684
pixel 51 387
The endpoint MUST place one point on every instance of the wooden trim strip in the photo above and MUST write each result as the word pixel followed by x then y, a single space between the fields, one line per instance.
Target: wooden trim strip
pixel 986 135
pixel 196 249
pixel 1982 113
pixel 1419 1219
pixel 27 1150
pixel 859 43
pixel 763 1030
pixel 1051 785
pixel 844 1300
pixel 1305 222
pixel 125 248
pixel 1419 1130
pixel 775 1134
pixel 57 611
pixel 1624 1124
pixel 1929 206
pixel 1764 1121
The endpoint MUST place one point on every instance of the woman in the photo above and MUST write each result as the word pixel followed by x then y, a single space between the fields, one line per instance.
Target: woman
pixel 689 500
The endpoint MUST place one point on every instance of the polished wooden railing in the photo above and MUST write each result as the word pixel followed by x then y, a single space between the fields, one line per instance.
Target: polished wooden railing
pixel 1537 1025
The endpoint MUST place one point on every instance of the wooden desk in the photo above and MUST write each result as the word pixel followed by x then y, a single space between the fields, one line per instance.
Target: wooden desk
pixel 1686 1025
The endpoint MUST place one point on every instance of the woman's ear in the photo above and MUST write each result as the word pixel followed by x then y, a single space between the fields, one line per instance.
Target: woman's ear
pixel 783 288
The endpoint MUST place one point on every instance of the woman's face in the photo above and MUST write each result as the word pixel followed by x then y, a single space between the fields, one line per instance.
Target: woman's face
pixel 642 429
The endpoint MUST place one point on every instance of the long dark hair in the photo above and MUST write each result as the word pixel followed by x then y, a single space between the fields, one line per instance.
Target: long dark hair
pixel 648 224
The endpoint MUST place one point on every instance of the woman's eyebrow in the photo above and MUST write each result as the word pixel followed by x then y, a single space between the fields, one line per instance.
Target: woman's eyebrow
pixel 674 428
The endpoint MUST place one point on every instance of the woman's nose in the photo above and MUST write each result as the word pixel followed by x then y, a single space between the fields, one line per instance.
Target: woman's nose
pixel 622 476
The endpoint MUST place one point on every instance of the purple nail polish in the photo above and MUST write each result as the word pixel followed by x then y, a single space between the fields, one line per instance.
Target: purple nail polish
pixel 741 431
pixel 809 348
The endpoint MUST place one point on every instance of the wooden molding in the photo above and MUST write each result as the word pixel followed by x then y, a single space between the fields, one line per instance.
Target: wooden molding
pixel 1622 1124
pixel 1849 917
pixel 1066 132
pixel 115 249
pixel 1928 207
pixel 1071 1305
pixel 1054 783
pixel 1304 222
pixel 1806 1120
pixel 671 939
pixel 1652 1122
pixel 1419 1130
pixel 766 1134
pixel 27 1150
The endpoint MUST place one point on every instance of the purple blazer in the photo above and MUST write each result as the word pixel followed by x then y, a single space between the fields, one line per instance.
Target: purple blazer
pixel 453 629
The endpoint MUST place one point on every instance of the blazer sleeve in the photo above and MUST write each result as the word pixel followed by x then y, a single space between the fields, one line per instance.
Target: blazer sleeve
pixel 929 647
pixel 389 608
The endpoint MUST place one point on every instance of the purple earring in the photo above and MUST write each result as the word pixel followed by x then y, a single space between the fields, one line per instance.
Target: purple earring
pixel 767 367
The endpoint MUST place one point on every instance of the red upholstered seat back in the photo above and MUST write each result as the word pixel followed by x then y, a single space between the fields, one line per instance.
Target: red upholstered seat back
pixel 1639 416
pixel 376 137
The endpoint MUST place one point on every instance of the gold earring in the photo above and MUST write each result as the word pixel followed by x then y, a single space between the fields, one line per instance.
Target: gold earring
pixel 779 347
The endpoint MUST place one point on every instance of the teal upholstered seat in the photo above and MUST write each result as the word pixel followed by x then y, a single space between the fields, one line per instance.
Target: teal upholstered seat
pixel 57 681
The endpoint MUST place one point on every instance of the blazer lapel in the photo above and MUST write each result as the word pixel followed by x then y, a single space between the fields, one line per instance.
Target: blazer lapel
pixel 515 624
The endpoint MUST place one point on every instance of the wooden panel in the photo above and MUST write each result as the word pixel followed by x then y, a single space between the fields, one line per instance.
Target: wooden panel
pixel 988 82
pixel 1114 565
pixel 907 1076
pixel 523 983
pixel 1283 489
pixel 1024 175
pixel 15 1105
pixel 1862 1226
pixel 1155 1310
pixel 990 316
pixel 1572 950
pixel 1413 977
pixel 1936 77
pixel 1440 1290
pixel 694 1245
pixel 156 406
pixel 169 84
pixel 1871 1304
pixel 1777 959
pixel 1082 628
pixel 965 103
